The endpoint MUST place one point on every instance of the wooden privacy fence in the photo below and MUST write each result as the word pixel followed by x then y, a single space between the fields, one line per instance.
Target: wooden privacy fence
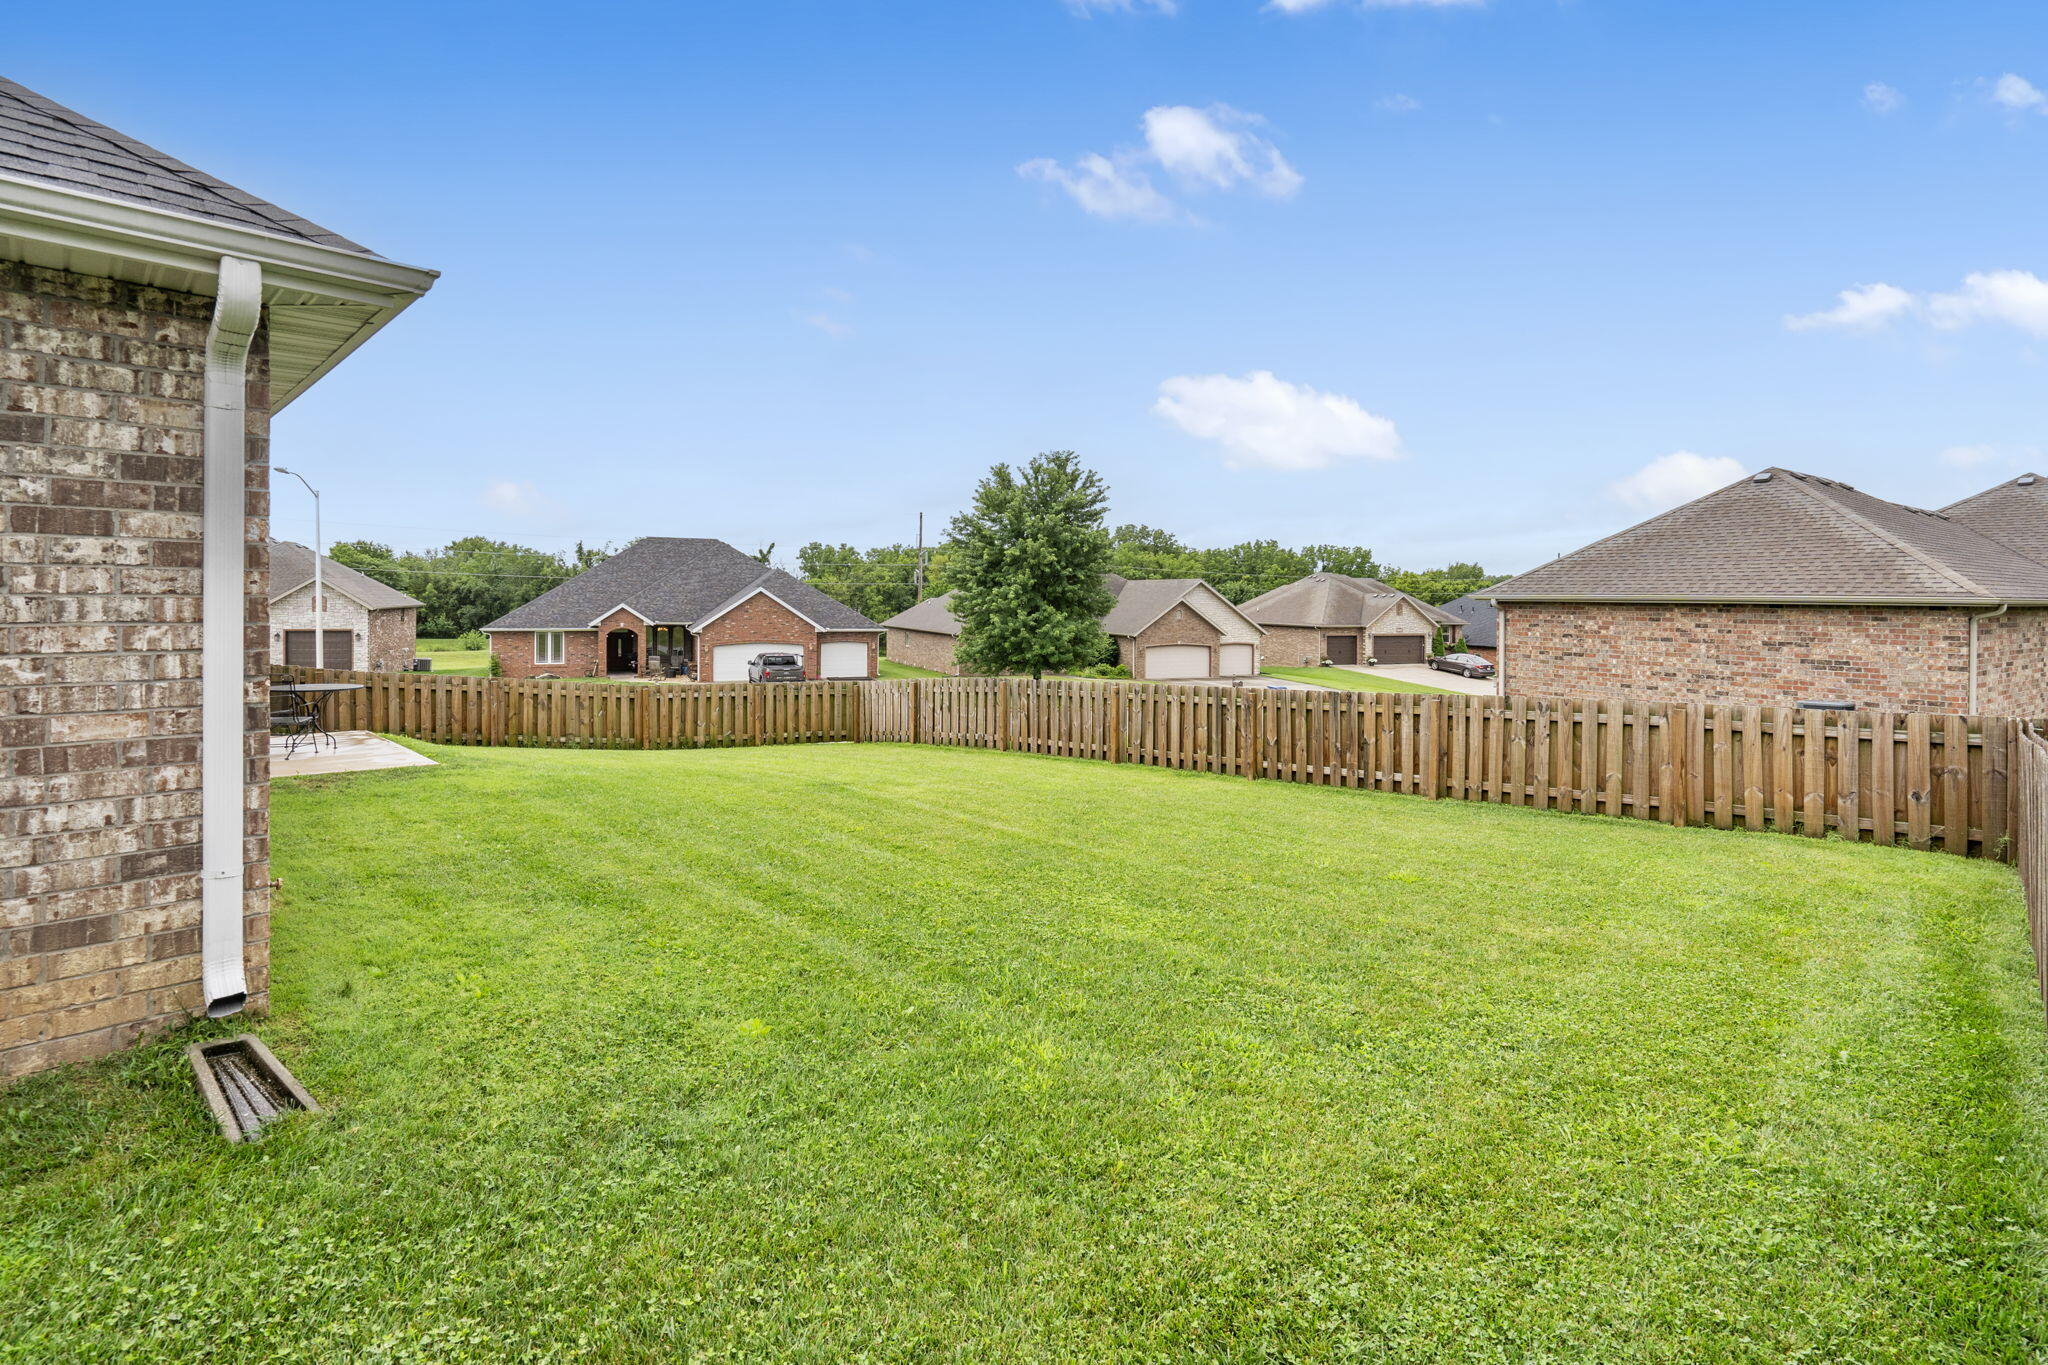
pixel 2031 845
pixel 1927 781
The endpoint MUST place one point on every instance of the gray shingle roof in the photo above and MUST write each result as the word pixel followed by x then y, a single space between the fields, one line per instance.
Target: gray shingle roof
pixel 1327 601
pixel 1482 620
pixel 2013 513
pixel 291 568
pixel 1139 602
pixel 674 581
pixel 42 140
pixel 1782 536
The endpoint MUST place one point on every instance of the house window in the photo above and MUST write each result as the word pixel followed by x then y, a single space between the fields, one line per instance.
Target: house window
pixel 549 646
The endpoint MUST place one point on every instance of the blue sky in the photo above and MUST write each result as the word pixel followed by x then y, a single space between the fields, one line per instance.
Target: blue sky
pixel 1452 280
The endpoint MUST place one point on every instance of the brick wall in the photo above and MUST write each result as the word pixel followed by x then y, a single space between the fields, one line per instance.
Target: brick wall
pixel 1180 625
pixel 582 657
pixel 100 482
pixel 2012 664
pixel 394 638
pixel 923 649
pixel 1293 646
pixel 1906 658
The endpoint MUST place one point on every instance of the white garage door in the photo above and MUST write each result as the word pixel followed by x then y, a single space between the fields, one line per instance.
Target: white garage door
pixel 1236 661
pixel 729 662
pixel 1177 661
pixel 843 659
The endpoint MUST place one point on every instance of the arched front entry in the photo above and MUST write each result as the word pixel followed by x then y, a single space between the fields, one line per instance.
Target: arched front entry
pixel 622 651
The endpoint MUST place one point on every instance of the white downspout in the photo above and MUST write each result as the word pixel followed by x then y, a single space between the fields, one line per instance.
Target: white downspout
pixel 2003 608
pixel 224 705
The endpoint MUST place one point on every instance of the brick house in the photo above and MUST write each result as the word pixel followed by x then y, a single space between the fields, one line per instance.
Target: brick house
pixel 669 606
pixel 1164 628
pixel 1784 588
pixel 1482 623
pixel 368 624
pixel 151 320
pixel 1347 620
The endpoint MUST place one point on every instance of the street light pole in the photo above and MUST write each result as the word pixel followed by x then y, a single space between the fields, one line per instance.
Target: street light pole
pixel 319 588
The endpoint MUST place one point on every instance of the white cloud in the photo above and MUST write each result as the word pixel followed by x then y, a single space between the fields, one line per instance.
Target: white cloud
pixel 1201 149
pixel 2015 297
pixel 1867 305
pixel 1679 477
pixel 1398 104
pixel 1880 98
pixel 1304 6
pixel 1215 147
pixel 826 323
pixel 514 498
pixel 2018 94
pixel 1101 6
pixel 1105 188
pixel 1265 421
pixel 1968 457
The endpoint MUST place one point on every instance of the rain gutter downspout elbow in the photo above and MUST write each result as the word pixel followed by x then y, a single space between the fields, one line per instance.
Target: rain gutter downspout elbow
pixel 224 700
pixel 2003 608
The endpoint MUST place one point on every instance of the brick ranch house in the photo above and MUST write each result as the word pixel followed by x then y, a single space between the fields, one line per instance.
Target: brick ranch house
pixel 1164 628
pixel 152 319
pixel 1786 588
pixel 368 624
pixel 1347 620
pixel 674 607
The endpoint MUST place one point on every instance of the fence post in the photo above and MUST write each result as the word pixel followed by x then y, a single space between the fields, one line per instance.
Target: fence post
pixel 1113 694
pixel 1430 757
pixel 1003 714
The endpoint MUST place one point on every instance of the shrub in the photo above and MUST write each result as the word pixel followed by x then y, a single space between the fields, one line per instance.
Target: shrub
pixel 473 639
pixel 496 667
pixel 1101 671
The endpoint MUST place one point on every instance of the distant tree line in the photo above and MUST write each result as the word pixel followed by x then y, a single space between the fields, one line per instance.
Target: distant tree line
pixel 880 582
pixel 467 583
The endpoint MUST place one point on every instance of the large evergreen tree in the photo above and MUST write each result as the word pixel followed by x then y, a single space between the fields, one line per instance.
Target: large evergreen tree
pixel 1027 564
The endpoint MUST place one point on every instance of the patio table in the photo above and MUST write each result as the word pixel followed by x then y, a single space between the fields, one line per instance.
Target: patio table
pixel 314 694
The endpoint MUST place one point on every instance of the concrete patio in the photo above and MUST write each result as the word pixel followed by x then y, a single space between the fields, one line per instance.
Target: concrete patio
pixel 351 751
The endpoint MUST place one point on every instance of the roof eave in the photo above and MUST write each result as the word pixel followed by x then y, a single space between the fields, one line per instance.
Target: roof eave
pixel 1770 600
pixel 93 234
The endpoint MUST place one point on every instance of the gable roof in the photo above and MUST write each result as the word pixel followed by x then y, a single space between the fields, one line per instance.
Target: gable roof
pixel 1327 601
pixel 2013 513
pixel 291 568
pixel 42 140
pixel 674 581
pixel 1139 602
pixel 76 195
pixel 1783 536
pixel 1481 618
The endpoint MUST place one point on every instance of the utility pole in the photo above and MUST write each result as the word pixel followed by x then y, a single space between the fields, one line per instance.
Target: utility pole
pixel 319 589
pixel 920 557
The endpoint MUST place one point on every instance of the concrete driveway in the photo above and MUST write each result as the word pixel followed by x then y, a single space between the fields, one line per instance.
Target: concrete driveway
pixel 1426 676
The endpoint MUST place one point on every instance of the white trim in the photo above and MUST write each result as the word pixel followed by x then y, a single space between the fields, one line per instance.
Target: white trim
pixel 561 653
pixel 223 661
pixel 748 595
pixel 646 620
pixel 184 251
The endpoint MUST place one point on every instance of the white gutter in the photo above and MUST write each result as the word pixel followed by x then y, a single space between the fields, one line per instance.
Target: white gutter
pixel 223 660
pixel 2003 608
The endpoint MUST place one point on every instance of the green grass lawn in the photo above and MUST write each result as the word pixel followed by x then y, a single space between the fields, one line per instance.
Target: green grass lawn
pixel 876 1053
pixel 1345 680
pixel 451 660
pixel 889 668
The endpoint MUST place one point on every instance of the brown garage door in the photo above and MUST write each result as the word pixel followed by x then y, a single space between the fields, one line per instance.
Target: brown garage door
pixel 1400 649
pixel 298 648
pixel 1340 649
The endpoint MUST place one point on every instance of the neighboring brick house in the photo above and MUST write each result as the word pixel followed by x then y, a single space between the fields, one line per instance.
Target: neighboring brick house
pixel 1347 620
pixel 151 320
pixel 1164 628
pixel 368 624
pixel 670 606
pixel 1482 623
pixel 1786 588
